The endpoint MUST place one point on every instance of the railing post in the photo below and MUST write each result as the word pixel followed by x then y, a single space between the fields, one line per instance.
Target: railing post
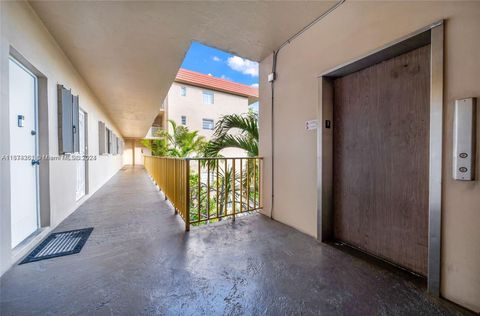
pixel 260 183
pixel 187 195
pixel 233 188
pixel 164 163
pixel 199 190
pixel 208 191
pixel 175 185
pixel 248 184
pixel 225 195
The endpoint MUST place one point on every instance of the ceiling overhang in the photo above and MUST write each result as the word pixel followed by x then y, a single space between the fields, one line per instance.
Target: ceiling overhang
pixel 129 52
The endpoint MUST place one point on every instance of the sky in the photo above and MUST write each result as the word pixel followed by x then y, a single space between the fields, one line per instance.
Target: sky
pixel 220 64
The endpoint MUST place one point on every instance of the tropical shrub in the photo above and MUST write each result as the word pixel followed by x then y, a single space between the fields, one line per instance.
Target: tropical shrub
pixel 181 142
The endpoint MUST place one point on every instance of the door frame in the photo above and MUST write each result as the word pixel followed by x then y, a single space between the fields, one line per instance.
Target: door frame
pixel 37 151
pixel 432 34
pixel 85 130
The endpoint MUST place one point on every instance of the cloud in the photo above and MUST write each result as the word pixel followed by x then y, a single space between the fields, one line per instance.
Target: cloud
pixel 254 107
pixel 254 85
pixel 245 66
pixel 216 58
pixel 225 77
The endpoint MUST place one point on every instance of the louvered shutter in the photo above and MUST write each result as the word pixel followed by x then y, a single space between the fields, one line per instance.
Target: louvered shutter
pixel 109 141
pixel 75 123
pixel 102 138
pixel 65 120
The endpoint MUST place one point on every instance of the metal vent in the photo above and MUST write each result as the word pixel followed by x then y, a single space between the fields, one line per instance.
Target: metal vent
pixel 60 244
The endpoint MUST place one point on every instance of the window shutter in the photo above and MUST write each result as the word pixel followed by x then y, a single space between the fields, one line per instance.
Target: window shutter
pixel 114 147
pixel 65 120
pixel 102 138
pixel 109 141
pixel 75 118
pixel 116 144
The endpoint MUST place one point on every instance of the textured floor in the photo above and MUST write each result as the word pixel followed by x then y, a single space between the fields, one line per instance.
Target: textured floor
pixel 139 261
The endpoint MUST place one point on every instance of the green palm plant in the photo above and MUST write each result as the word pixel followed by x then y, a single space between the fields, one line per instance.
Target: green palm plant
pixel 184 143
pixel 224 136
pixel 180 142
pixel 223 183
pixel 158 147
pixel 233 131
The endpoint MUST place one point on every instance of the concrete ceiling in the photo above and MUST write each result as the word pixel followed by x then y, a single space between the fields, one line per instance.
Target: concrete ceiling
pixel 129 51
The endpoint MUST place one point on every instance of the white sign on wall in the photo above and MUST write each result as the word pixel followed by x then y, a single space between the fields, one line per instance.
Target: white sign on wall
pixel 311 125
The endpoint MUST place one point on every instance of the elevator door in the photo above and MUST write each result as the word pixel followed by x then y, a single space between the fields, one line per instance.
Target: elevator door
pixel 381 146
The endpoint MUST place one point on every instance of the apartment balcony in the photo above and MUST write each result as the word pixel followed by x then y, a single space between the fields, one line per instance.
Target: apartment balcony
pixel 158 125
pixel 140 261
pixel 153 132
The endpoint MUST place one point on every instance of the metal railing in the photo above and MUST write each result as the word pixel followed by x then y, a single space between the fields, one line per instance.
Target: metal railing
pixel 170 175
pixel 206 190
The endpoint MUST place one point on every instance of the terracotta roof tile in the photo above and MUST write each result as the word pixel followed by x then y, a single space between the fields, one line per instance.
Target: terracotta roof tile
pixel 198 79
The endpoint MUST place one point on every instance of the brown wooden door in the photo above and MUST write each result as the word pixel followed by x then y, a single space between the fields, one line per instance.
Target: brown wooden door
pixel 381 124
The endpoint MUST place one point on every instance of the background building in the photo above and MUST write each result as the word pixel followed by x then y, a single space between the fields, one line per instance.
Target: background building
pixel 198 101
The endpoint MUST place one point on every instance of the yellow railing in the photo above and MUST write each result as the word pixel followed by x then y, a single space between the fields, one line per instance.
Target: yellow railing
pixel 204 190
pixel 170 175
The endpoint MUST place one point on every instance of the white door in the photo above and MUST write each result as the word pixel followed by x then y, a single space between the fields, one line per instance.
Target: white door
pixel 81 164
pixel 23 148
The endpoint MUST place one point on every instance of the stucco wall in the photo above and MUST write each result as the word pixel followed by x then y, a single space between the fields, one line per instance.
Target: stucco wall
pixel 193 108
pixel 128 157
pixel 22 30
pixel 353 30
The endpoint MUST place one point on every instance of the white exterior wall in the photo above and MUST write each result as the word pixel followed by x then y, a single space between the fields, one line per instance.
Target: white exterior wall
pixel 22 29
pixel 128 158
pixel 195 110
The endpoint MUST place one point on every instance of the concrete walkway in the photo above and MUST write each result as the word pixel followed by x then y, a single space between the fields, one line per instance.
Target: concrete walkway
pixel 139 261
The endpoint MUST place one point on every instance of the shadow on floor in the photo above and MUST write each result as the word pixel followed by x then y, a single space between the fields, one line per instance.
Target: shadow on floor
pixel 139 261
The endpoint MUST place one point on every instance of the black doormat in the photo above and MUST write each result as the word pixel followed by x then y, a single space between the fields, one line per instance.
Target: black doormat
pixel 59 244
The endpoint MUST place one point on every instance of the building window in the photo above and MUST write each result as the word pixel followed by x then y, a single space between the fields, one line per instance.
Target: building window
pixel 208 124
pixel 183 91
pixel 207 97
pixel 184 120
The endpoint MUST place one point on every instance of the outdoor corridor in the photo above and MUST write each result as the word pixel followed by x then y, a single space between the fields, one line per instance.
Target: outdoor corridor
pixel 140 261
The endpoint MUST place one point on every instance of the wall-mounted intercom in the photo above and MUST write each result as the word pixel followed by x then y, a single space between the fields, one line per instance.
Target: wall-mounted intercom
pixel 464 139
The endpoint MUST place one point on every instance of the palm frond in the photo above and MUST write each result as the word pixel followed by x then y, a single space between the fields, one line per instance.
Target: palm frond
pixel 234 131
pixel 247 124
pixel 214 147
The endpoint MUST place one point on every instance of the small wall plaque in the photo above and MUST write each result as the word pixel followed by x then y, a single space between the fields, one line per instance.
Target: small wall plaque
pixel 311 125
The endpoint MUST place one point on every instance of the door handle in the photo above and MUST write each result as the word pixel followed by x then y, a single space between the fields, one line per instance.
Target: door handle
pixel 35 162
